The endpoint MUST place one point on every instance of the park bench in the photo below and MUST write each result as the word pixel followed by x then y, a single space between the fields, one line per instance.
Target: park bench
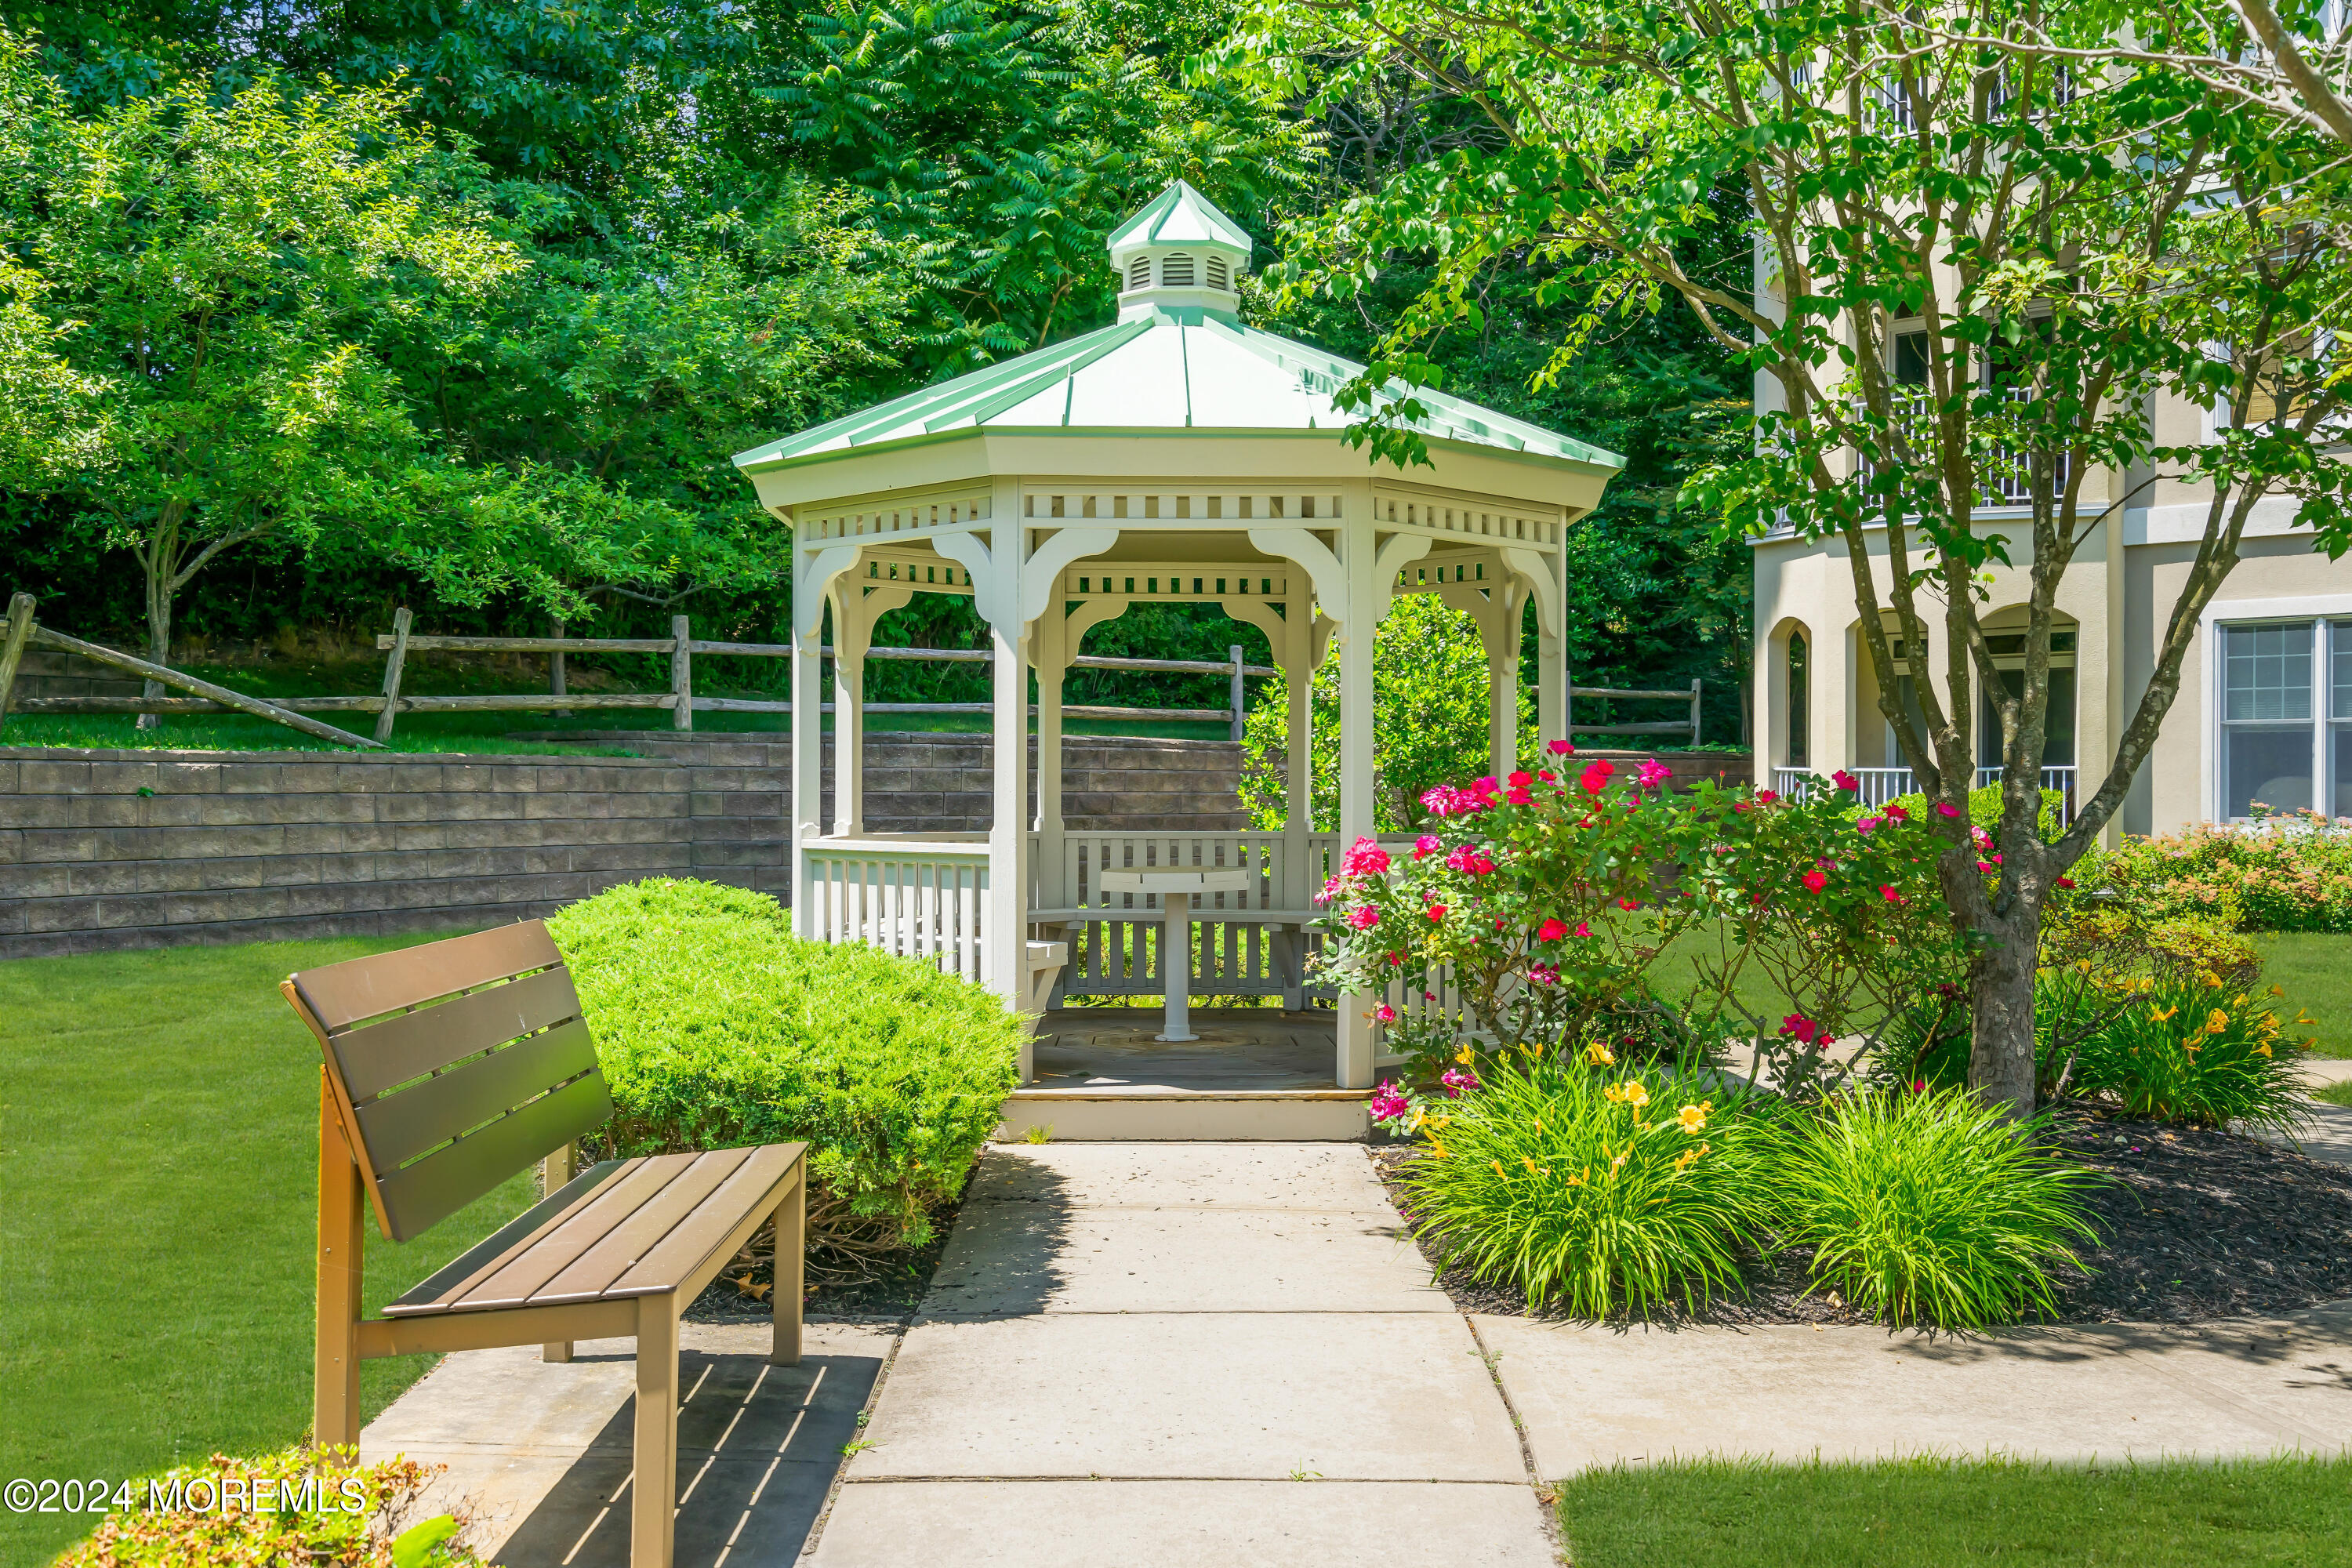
pixel 448 1068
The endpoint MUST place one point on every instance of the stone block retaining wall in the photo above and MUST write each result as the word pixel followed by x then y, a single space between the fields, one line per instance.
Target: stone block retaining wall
pixel 111 849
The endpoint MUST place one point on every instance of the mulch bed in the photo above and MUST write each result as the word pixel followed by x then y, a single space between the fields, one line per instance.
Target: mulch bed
pixel 2196 1224
pixel 895 1286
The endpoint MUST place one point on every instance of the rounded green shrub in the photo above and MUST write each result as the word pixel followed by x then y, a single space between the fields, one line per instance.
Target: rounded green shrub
pixel 716 1026
pixel 1929 1208
pixel 1590 1189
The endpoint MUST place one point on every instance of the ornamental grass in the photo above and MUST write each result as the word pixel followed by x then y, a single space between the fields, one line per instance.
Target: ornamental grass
pixel 1590 1189
pixel 1929 1208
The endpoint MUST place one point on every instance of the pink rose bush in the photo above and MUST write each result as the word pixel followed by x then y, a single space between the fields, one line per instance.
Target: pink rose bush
pixel 1546 901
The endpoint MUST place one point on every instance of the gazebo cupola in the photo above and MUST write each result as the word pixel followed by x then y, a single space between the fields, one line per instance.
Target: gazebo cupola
pixel 1179 255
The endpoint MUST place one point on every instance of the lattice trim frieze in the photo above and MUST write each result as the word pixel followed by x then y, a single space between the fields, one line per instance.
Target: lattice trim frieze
pixel 1459 519
pixel 1147 580
pixel 884 522
pixel 1216 506
pixel 928 573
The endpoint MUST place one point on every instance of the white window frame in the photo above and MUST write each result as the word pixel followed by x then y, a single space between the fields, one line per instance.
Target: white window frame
pixel 2317 611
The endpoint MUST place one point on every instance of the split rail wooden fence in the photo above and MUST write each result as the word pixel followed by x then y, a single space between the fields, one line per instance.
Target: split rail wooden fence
pixel 19 630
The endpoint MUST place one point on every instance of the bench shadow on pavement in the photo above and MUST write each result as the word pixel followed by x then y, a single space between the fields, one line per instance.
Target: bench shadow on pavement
pixel 1006 1257
pixel 757 1448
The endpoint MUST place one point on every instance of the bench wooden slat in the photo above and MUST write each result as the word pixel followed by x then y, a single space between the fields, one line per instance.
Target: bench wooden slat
pixel 594 1272
pixel 410 1045
pixel 438 1185
pixel 399 1127
pixel 453 1278
pixel 340 994
pixel 518 1278
pixel 687 1249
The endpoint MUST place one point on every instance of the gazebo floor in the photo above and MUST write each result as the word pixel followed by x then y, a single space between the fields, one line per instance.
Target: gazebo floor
pixel 1254 1074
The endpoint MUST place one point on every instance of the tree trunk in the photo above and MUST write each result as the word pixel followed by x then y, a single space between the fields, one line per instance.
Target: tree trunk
pixel 159 640
pixel 2001 1002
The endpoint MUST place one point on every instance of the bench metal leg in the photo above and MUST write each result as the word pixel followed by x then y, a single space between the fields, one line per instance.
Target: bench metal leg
pixel 792 1252
pixel 653 1509
pixel 335 1397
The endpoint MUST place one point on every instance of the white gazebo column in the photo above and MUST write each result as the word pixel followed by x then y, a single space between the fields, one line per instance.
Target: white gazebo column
pixel 1297 657
pixel 1358 624
pixel 1543 576
pixel 852 628
pixel 812 576
pixel 1049 647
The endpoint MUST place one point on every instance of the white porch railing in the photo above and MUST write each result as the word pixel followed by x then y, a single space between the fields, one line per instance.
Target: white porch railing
pixel 913 896
pixel 1880 786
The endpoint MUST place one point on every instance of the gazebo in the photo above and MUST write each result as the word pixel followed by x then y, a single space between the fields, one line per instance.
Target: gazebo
pixel 1175 455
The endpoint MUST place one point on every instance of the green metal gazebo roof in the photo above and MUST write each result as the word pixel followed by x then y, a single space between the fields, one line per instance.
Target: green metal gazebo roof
pixel 1164 368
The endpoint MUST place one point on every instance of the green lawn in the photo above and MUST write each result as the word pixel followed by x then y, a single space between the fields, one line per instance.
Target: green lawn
pixel 158 1193
pixel 2293 1512
pixel 2316 968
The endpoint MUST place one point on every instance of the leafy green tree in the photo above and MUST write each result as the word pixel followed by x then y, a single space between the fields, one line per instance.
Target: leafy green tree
pixel 586 416
pixel 1001 141
pixel 232 265
pixel 2056 247
pixel 1429 722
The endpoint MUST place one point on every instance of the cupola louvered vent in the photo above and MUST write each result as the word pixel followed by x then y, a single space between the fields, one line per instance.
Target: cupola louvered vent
pixel 1176 271
pixel 1217 275
pixel 1138 272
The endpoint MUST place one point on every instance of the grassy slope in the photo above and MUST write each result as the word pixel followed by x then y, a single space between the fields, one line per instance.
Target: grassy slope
pixel 1927 1513
pixel 2316 968
pixel 158 1190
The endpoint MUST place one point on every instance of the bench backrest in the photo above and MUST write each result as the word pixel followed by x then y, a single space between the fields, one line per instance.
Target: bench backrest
pixel 454 1064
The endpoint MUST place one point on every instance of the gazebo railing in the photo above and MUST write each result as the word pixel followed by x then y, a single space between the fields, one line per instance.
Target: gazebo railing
pixel 912 897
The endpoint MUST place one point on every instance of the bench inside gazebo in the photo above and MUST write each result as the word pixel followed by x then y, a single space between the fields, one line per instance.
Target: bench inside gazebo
pixel 1175 456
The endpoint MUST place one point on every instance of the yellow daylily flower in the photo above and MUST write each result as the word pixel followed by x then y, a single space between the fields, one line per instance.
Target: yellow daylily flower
pixel 2264 1049
pixel 1599 1055
pixel 1693 1118
pixel 2163 1017
pixel 2216 1021
pixel 1635 1095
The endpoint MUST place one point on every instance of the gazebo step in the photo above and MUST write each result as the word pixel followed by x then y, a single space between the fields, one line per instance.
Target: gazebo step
pixel 1282 1116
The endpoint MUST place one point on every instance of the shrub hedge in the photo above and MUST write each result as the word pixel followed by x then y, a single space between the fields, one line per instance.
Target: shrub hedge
pixel 716 1027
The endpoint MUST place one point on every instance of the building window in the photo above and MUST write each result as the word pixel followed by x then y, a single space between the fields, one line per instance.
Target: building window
pixel 1218 277
pixel 2058 721
pixel 1176 271
pixel 1138 272
pixel 1799 717
pixel 2286 717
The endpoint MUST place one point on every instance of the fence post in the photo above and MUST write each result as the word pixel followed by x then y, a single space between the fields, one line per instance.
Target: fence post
pixel 391 663
pixel 555 672
pixel 1694 740
pixel 681 673
pixel 1241 693
pixel 12 651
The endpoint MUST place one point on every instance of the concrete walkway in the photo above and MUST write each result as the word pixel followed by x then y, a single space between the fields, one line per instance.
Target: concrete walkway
pixel 1179 1353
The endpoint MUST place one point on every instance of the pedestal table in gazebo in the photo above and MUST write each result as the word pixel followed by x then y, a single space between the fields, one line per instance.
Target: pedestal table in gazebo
pixel 1175 456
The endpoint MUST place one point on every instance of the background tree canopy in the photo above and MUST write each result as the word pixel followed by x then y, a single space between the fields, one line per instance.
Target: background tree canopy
pixel 645 233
